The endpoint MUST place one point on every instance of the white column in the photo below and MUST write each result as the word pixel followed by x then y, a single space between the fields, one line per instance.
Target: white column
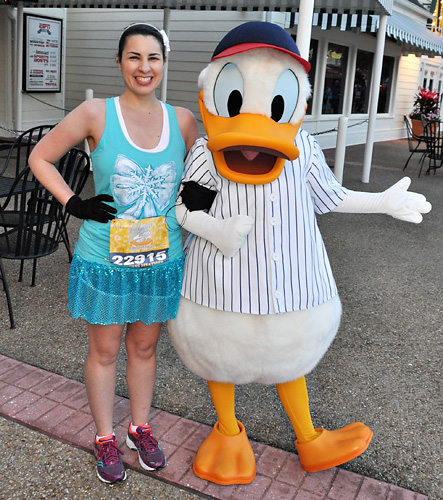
pixel 19 69
pixel 350 80
pixel 9 68
pixel 373 102
pixel 340 149
pixel 304 27
pixel 166 27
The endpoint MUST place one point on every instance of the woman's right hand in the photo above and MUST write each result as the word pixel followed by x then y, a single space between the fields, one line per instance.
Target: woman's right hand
pixel 92 208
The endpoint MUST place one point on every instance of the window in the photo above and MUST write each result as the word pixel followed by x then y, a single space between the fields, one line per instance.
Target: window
pixel 384 98
pixel 362 81
pixel 336 61
pixel 313 51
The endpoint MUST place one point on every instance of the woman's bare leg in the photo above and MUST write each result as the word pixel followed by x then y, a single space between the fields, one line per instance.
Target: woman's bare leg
pixel 100 374
pixel 141 344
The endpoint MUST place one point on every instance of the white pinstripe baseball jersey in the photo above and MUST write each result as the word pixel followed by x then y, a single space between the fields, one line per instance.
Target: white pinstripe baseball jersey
pixel 283 265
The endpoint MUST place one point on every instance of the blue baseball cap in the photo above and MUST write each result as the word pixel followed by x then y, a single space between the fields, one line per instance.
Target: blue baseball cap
pixel 257 34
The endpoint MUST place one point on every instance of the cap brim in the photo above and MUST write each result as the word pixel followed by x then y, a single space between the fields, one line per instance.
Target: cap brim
pixel 243 47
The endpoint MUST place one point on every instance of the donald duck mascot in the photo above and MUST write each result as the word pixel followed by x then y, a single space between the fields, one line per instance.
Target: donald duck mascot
pixel 259 302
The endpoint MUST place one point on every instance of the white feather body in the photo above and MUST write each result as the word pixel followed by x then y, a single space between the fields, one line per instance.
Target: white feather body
pixel 243 348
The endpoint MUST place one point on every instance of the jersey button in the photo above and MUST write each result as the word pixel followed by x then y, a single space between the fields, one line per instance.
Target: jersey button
pixel 273 197
pixel 277 294
pixel 273 221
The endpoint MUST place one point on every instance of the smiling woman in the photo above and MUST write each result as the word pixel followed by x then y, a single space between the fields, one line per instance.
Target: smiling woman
pixel 128 262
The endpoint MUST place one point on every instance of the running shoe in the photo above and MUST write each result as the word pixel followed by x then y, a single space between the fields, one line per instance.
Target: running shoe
pixel 150 455
pixel 110 468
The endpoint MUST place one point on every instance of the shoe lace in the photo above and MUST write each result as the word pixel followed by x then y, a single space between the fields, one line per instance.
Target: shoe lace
pixel 109 452
pixel 146 440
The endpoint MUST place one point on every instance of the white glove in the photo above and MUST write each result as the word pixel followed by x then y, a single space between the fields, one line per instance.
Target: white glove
pixel 228 235
pixel 396 201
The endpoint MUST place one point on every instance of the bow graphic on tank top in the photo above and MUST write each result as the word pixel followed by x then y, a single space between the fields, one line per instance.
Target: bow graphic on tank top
pixel 144 191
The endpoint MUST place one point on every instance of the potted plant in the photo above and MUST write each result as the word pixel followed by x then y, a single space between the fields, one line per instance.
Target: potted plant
pixel 426 105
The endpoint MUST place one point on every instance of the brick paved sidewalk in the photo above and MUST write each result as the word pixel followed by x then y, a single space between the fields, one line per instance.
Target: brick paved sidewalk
pixel 58 407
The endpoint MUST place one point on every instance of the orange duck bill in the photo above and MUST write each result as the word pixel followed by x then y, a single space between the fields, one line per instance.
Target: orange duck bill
pixel 249 148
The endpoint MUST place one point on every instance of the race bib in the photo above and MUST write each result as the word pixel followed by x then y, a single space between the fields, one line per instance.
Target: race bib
pixel 139 243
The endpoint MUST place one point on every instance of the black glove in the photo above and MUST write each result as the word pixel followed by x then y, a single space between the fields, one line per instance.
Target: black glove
pixel 197 197
pixel 92 208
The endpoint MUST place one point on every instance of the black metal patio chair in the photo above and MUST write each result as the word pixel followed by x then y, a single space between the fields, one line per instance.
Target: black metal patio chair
pixel 34 223
pixel 434 145
pixel 38 228
pixel 74 167
pixel 416 143
pixel 21 148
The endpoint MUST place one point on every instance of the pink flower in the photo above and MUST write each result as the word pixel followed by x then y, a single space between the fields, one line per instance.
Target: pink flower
pixel 426 103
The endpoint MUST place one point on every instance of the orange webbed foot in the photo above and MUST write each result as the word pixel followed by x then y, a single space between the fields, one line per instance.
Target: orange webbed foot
pixel 225 459
pixel 332 448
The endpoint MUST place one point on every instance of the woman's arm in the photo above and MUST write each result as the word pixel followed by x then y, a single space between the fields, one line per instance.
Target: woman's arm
pixel 188 126
pixel 84 122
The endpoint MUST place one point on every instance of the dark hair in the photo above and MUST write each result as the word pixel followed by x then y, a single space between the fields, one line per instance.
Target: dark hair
pixel 140 29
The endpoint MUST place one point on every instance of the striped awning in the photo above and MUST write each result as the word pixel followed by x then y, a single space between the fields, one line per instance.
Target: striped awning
pixel 413 34
pixel 416 38
pixel 345 21
pixel 351 6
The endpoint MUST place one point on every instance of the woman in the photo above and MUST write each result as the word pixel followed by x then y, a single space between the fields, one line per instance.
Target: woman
pixel 138 145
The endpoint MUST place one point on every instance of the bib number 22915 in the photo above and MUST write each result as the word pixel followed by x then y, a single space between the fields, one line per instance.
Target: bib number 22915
pixel 140 259
pixel 139 243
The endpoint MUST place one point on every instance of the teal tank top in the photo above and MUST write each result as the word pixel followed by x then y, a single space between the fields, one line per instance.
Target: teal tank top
pixel 144 183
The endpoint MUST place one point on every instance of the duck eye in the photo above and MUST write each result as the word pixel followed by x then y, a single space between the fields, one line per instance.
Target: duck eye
pixel 285 97
pixel 228 91
pixel 235 100
pixel 277 107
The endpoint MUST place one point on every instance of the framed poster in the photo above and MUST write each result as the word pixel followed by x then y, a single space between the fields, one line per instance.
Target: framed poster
pixel 42 54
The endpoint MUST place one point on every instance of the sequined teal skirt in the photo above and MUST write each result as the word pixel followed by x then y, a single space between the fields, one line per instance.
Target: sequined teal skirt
pixel 107 295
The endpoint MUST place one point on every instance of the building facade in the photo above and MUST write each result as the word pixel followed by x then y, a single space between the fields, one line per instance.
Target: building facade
pixel 341 54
